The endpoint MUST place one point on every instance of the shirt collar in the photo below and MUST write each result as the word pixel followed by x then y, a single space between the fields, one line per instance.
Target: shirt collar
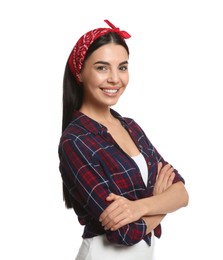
pixel 93 126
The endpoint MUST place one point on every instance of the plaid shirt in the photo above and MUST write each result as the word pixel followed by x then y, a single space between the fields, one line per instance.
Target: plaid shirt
pixel 92 165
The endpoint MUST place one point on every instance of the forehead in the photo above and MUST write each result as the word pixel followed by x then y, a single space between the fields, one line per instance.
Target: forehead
pixel 108 52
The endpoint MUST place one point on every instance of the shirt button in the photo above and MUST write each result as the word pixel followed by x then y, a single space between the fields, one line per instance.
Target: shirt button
pixel 130 131
pixel 149 163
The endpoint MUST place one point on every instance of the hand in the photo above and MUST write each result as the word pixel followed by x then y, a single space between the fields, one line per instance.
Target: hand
pixel 165 177
pixel 119 213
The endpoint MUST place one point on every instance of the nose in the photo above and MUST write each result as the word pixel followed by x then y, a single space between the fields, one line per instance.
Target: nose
pixel 113 76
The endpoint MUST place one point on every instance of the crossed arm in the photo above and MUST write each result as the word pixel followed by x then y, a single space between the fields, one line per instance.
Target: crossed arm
pixel 167 197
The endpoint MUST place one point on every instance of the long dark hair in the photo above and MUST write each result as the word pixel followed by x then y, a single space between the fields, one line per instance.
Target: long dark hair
pixel 73 92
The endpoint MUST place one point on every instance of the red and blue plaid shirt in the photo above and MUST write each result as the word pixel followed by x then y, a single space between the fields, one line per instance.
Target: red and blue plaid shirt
pixel 92 165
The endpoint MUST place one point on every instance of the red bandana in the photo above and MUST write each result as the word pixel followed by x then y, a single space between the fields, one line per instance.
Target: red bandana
pixel 78 53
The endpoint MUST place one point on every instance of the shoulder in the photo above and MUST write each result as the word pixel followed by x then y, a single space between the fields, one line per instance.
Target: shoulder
pixel 133 125
pixel 128 121
pixel 75 131
pixel 80 125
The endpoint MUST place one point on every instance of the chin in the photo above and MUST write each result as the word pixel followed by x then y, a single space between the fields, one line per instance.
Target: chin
pixel 112 104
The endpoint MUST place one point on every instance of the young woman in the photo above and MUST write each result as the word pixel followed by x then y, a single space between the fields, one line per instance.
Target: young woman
pixel 118 184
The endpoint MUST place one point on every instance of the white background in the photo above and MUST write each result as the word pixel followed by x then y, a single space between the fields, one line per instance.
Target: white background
pixel 176 66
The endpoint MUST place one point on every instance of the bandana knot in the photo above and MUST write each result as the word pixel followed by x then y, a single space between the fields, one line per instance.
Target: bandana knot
pixel 123 34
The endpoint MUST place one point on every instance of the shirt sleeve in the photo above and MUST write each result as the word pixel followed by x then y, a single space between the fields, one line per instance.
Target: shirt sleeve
pixel 153 153
pixel 154 157
pixel 159 158
pixel 89 187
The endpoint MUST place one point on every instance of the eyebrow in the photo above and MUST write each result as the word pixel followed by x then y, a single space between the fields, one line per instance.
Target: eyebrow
pixel 107 63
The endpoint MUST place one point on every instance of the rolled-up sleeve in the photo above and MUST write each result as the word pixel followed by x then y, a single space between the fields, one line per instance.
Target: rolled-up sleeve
pixel 89 187
pixel 159 158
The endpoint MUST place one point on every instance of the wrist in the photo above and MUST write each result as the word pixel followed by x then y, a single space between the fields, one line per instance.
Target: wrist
pixel 143 208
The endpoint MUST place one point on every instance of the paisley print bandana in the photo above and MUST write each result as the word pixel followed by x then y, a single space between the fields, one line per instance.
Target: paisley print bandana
pixel 77 56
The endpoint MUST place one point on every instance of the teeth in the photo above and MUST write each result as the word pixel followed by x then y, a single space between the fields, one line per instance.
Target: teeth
pixel 110 90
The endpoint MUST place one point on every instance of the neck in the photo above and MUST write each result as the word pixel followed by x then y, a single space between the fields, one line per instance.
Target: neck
pixel 101 115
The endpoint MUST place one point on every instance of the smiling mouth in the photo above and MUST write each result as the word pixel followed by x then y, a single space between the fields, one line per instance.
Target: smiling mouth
pixel 110 91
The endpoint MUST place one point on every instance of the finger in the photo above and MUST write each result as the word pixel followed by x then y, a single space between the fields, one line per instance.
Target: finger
pixel 159 167
pixel 159 177
pixel 171 178
pixel 166 174
pixel 166 167
pixel 119 225
pixel 163 179
pixel 108 211
pixel 111 207
pixel 121 220
pixel 112 196
pixel 112 217
pixel 114 209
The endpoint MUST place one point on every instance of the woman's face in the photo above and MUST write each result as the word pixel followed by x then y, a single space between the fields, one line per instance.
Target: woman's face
pixel 105 75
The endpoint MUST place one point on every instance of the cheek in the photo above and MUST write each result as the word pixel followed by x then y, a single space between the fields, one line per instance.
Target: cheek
pixel 90 78
pixel 126 80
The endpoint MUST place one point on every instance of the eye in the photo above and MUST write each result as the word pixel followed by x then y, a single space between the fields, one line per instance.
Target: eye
pixel 101 68
pixel 123 68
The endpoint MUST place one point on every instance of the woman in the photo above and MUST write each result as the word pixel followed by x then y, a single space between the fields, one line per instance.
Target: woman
pixel 119 186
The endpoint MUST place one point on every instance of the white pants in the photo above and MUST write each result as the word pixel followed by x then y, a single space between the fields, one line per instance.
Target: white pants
pixel 99 248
